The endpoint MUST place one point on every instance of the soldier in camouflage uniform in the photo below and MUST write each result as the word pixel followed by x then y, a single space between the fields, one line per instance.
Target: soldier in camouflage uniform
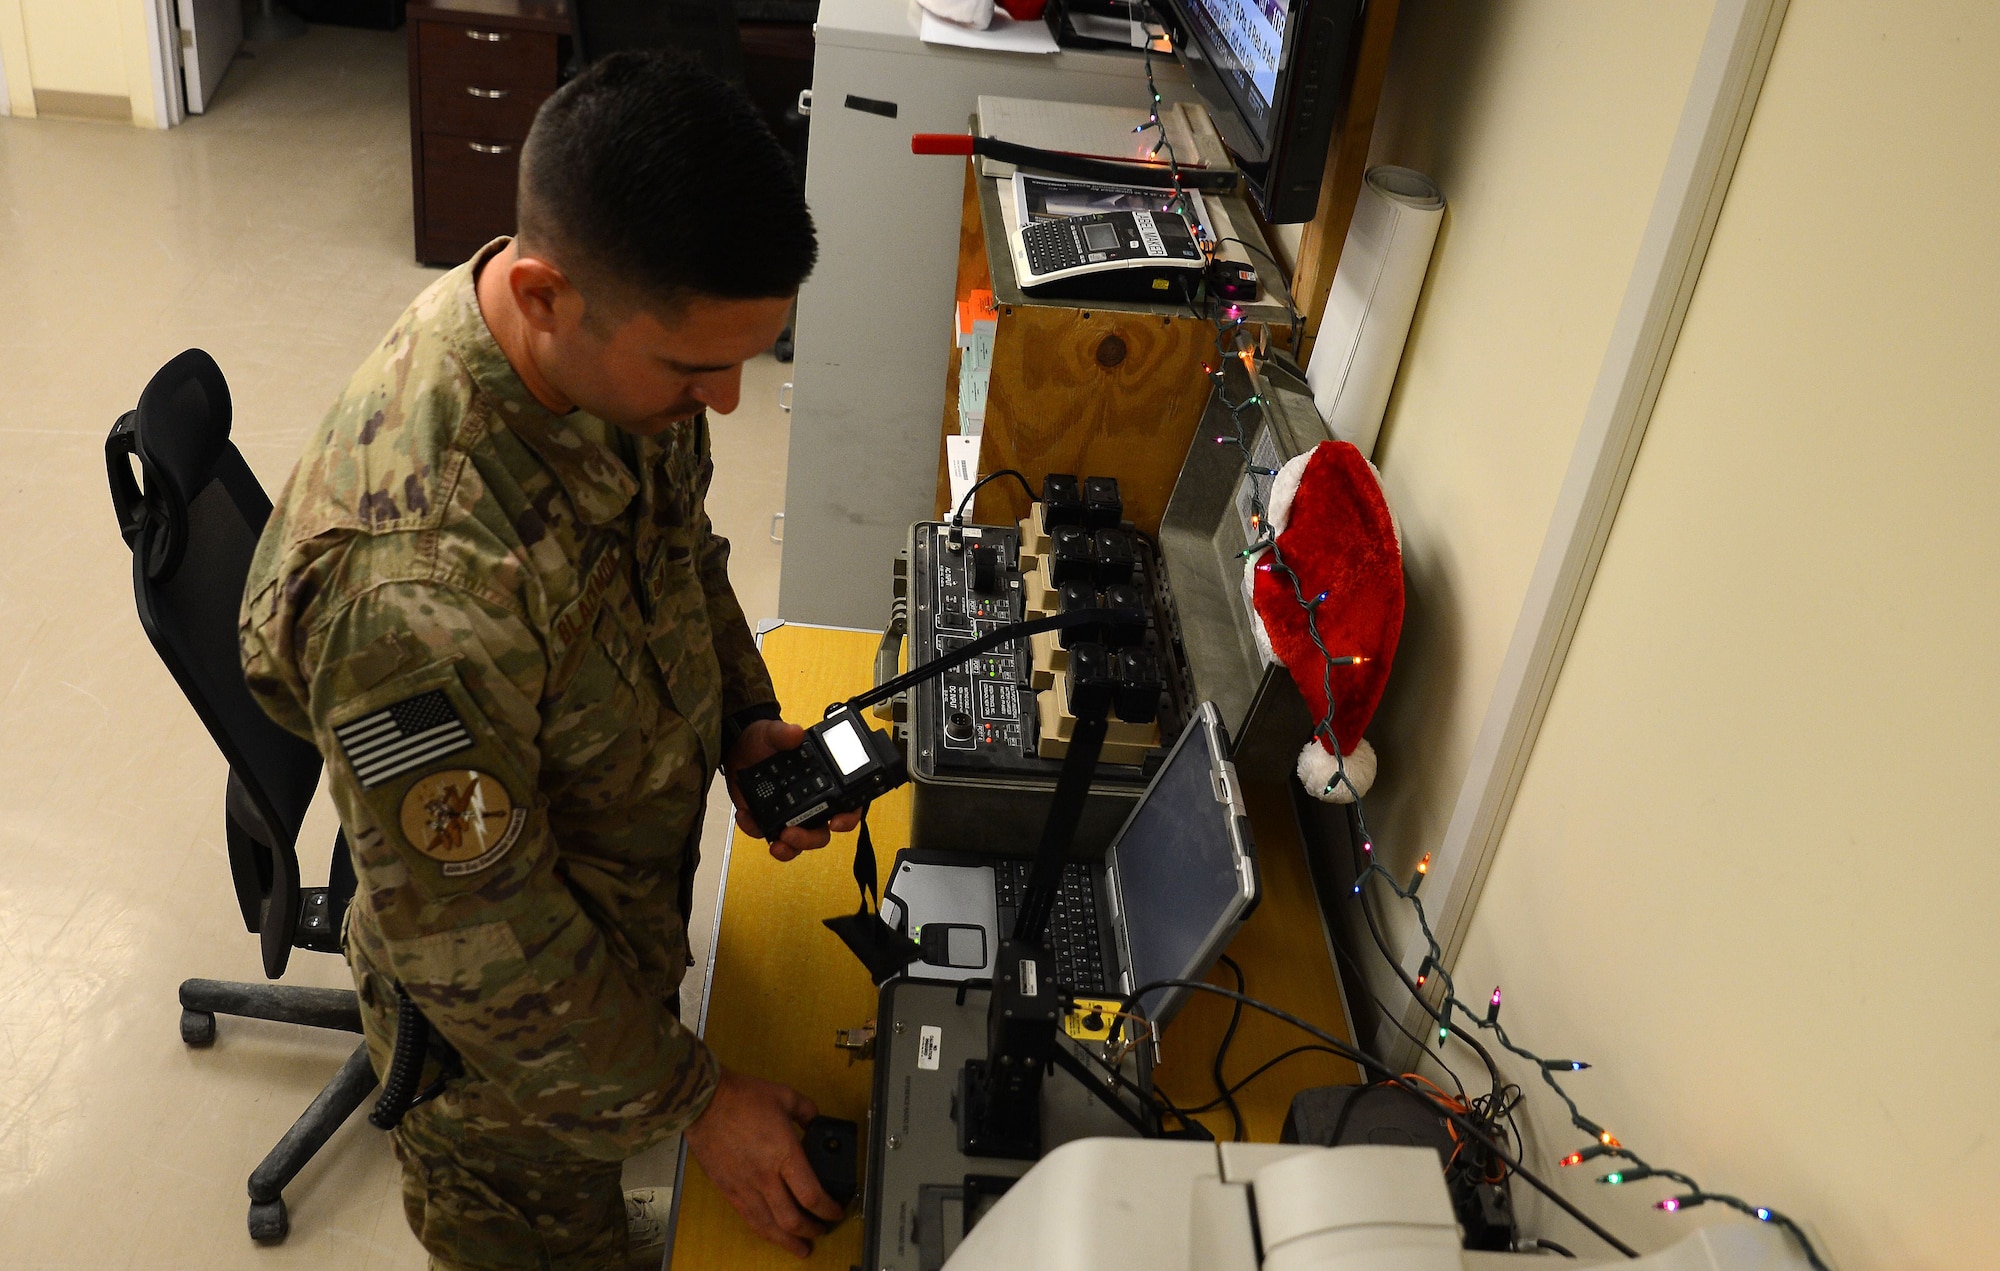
pixel 491 596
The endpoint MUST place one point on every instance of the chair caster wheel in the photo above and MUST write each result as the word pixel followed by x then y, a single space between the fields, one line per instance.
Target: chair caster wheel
pixel 782 350
pixel 269 1223
pixel 197 1027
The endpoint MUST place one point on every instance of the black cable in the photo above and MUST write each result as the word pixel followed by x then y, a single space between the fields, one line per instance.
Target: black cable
pixel 986 644
pixel 1552 1247
pixel 1069 1063
pixel 1368 1061
pixel 1261 1069
pixel 1347 1110
pixel 1361 978
pixel 1160 1102
pixel 1382 946
pixel 958 517
pixel 1222 1052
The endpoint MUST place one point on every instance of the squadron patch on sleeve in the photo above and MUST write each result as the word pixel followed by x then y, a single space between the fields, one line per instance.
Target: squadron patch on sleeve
pixel 403 735
pixel 461 818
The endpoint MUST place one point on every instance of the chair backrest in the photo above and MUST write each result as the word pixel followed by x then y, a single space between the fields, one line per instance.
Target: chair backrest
pixel 703 29
pixel 192 528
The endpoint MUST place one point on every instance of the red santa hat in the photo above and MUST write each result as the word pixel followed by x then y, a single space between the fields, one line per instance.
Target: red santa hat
pixel 1341 551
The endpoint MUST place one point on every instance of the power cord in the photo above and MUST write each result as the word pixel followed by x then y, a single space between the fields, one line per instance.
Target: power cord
pixel 958 516
pixel 1228 1096
pixel 1463 1120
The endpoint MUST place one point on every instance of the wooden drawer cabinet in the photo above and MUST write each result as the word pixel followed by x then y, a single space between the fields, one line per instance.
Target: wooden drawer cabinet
pixel 467 109
pixel 479 69
pixel 481 53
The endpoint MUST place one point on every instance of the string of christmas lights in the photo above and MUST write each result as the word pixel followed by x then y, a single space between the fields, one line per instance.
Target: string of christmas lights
pixel 1233 342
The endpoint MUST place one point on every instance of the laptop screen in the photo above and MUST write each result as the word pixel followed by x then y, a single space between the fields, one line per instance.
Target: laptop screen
pixel 1177 864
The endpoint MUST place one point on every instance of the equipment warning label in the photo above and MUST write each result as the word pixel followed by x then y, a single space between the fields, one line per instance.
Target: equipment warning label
pixel 999 702
pixel 930 1045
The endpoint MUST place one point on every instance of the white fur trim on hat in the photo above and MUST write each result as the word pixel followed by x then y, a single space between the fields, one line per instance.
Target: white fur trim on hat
pixel 1285 488
pixel 1317 770
pixel 1258 632
pixel 1395 522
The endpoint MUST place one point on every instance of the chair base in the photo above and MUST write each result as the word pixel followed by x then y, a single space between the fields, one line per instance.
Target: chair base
pixel 338 1009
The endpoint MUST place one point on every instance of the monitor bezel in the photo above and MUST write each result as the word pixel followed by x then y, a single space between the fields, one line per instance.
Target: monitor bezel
pixel 1285 162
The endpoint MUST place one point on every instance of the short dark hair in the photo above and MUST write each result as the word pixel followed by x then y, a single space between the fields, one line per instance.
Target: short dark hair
pixel 648 173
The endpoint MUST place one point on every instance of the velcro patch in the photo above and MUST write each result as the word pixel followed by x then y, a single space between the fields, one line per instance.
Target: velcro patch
pixel 462 818
pixel 408 734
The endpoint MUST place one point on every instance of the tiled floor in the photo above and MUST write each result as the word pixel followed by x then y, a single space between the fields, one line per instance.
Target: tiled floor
pixel 274 232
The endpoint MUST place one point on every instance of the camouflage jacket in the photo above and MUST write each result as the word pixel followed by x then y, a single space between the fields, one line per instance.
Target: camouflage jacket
pixel 512 636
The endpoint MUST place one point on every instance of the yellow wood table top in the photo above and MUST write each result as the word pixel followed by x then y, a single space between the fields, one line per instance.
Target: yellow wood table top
pixel 781 983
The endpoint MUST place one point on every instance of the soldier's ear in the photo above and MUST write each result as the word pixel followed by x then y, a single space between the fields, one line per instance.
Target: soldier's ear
pixel 544 294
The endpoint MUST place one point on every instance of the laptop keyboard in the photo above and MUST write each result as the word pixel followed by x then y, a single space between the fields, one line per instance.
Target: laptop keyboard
pixel 1072 932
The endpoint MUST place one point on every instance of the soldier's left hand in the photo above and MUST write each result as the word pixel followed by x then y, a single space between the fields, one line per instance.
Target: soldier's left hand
pixel 761 740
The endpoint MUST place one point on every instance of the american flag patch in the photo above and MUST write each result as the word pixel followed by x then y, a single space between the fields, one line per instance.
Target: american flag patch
pixel 406 735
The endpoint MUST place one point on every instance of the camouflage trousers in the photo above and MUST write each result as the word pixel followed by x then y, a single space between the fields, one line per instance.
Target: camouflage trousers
pixel 483 1191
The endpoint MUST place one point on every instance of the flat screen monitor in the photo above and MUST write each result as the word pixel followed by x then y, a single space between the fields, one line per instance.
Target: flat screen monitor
pixel 1274 75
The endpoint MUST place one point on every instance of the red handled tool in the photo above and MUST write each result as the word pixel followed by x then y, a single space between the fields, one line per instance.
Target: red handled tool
pixel 1071 165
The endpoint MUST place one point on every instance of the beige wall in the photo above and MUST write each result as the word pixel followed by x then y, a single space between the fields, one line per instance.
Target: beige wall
pixel 97 47
pixel 1547 124
pixel 1751 871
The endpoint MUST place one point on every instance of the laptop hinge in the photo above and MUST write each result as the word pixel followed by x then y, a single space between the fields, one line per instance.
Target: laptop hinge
pixel 1227 788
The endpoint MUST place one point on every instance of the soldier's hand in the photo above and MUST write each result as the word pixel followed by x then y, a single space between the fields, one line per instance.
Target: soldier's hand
pixel 748 1143
pixel 761 740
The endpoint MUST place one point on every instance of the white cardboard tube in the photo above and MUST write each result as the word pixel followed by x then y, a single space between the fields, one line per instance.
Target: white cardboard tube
pixel 1372 302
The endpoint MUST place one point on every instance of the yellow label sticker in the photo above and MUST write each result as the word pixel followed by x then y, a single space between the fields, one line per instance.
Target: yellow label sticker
pixel 1092 1019
pixel 1159 284
pixel 461 818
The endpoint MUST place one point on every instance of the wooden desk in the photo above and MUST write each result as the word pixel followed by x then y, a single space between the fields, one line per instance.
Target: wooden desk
pixel 780 983
pixel 1102 388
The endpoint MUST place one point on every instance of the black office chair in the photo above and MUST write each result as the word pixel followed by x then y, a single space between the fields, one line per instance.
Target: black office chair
pixel 192 528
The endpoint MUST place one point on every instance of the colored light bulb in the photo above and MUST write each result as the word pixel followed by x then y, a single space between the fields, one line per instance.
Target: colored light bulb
pixel 1763 1214
pixel 1671 1204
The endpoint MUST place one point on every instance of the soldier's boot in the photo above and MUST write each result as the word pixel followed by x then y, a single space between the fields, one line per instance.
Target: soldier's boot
pixel 646 1211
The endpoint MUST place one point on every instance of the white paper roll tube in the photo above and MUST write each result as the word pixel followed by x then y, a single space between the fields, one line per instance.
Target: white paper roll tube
pixel 1374 298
